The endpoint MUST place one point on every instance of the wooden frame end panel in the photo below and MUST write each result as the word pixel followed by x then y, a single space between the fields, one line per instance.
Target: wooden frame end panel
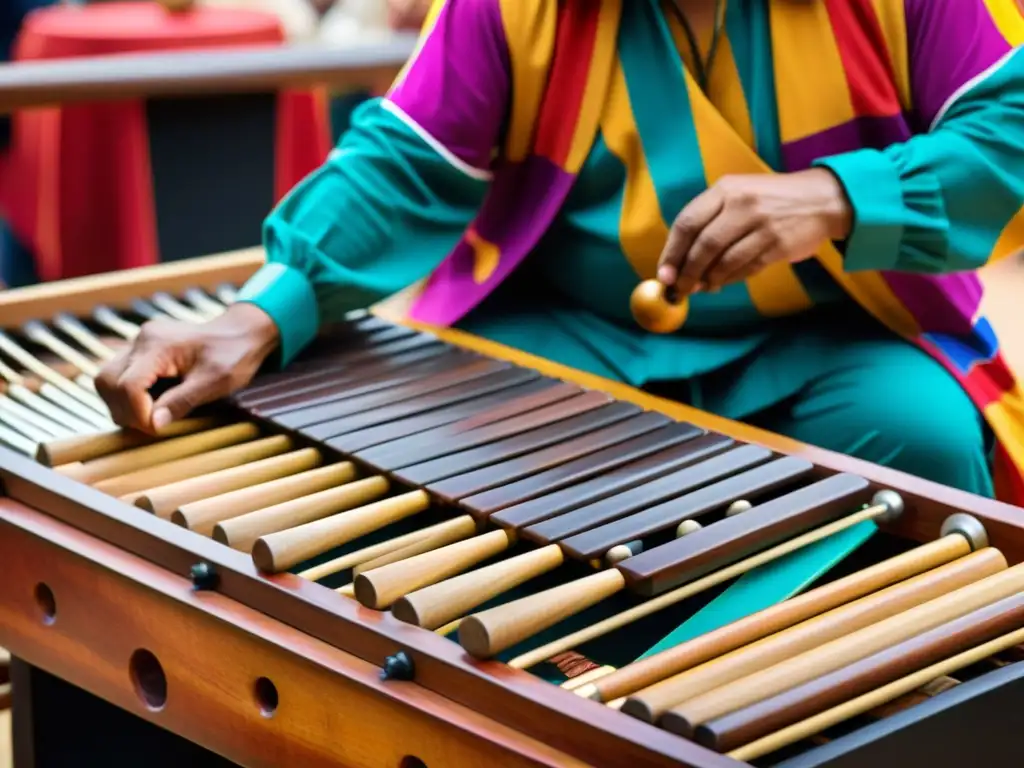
pixel 514 698
pixel 109 607
pixel 81 295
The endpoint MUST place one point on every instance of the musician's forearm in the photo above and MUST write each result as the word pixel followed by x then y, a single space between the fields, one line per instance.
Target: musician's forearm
pixel 942 200
pixel 376 218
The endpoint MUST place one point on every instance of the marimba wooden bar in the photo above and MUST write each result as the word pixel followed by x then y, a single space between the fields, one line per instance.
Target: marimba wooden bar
pixel 458 517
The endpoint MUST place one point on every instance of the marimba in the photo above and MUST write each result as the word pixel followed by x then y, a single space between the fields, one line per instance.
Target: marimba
pixel 417 547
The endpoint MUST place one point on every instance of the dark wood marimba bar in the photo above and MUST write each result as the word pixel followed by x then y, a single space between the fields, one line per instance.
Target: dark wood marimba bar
pixel 455 554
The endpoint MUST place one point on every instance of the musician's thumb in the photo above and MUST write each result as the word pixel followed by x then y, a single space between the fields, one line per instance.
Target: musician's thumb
pixel 199 387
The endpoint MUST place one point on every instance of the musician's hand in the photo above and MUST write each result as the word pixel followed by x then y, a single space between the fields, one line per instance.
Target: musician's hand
pixel 742 224
pixel 212 360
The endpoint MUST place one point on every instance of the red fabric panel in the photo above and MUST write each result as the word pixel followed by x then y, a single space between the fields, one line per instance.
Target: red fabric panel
pixel 77 185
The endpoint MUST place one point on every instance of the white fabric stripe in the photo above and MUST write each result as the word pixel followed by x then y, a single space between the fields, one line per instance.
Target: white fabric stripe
pixel 963 89
pixel 469 170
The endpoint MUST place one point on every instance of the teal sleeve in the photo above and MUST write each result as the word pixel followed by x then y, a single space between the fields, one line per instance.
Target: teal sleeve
pixel 938 202
pixel 380 214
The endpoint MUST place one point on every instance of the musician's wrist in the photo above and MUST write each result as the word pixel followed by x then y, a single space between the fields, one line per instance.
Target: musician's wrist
pixel 286 296
pixel 255 325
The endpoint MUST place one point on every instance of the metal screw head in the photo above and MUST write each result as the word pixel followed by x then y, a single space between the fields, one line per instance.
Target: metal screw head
pixel 204 576
pixel 398 667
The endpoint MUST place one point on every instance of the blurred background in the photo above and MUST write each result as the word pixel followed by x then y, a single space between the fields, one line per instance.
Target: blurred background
pixel 114 184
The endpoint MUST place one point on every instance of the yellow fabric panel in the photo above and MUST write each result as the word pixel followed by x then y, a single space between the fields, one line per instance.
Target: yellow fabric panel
pixel 1009 17
pixel 806 53
pixel 530 27
pixel 642 231
pixel 725 87
pixel 726 90
pixel 1006 418
pixel 775 290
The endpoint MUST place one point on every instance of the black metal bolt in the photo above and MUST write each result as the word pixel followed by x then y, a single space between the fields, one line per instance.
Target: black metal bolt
pixel 204 577
pixel 398 667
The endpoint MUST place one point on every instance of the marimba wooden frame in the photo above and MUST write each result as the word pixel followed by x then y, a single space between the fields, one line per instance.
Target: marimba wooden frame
pixel 515 700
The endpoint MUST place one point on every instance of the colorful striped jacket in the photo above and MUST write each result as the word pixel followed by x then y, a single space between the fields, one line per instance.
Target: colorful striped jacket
pixel 852 77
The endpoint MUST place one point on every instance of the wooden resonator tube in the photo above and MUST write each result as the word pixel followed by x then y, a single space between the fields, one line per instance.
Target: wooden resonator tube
pixel 74 450
pixel 878 697
pixel 487 633
pixel 749 723
pixel 684 717
pixel 652 703
pixel 164 500
pixel 205 515
pixel 279 551
pixel 737 634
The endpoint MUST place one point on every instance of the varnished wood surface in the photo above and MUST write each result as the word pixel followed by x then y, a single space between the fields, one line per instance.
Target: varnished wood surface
pixel 769 715
pixel 520 701
pixel 6 759
pixel 706 550
pixel 565 511
pixel 251 70
pixel 618 436
pixel 80 295
pixel 927 503
pixel 332 708
pixel 515 699
pixel 740 482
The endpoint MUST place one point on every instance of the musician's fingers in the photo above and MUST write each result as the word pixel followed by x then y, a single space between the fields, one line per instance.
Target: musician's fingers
pixel 131 405
pixel 201 385
pixel 125 383
pixel 744 257
pixel 687 226
pixel 751 268
pixel 712 243
pixel 109 375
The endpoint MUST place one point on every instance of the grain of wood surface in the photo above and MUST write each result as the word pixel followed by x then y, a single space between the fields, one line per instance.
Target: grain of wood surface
pixel 1005 291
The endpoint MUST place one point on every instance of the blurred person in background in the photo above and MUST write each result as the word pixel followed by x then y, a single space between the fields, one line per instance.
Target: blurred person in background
pixel 354 21
pixel 339 22
pixel 16 263
pixel 364 22
pixel 300 19
pixel 408 14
